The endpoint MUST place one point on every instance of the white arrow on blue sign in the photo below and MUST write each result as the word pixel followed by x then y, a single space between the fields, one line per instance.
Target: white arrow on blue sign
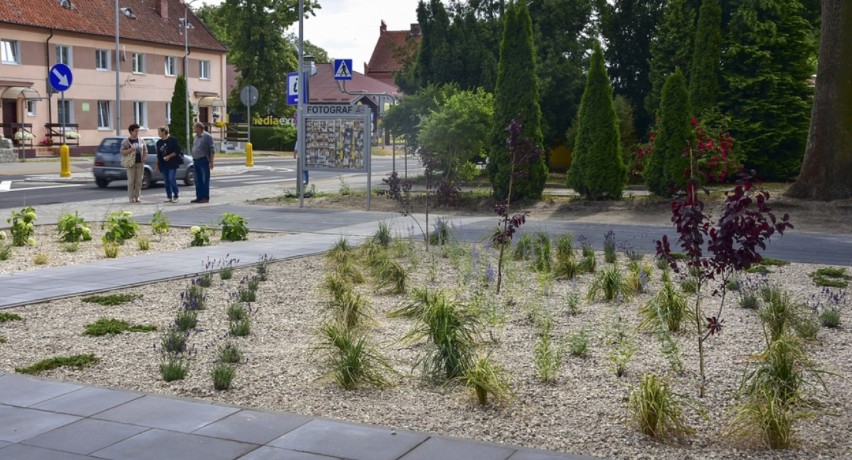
pixel 60 77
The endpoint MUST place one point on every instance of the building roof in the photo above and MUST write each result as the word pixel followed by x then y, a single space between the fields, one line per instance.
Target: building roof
pixel 324 89
pixel 97 17
pixel 392 49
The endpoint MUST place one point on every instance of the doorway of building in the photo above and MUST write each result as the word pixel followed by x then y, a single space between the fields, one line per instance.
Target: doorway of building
pixel 10 115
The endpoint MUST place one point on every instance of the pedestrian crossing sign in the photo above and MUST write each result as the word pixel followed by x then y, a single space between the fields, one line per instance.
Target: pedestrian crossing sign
pixel 343 69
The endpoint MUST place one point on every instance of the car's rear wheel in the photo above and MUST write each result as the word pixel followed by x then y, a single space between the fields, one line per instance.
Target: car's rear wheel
pixel 189 177
pixel 101 183
pixel 146 179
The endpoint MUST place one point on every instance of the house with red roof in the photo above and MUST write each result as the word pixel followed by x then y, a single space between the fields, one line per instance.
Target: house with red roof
pixel 393 48
pixel 120 76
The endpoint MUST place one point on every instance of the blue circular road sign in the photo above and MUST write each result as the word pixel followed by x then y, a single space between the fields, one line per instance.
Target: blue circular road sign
pixel 60 77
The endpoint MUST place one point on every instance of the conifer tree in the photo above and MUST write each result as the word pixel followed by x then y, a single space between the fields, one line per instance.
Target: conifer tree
pixel 704 73
pixel 597 170
pixel 671 48
pixel 516 95
pixel 665 169
pixel 177 114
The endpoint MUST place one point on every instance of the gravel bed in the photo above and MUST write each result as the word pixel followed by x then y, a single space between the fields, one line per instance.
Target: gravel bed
pixel 583 412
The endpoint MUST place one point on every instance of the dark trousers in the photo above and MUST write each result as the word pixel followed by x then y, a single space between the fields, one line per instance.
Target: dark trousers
pixel 201 166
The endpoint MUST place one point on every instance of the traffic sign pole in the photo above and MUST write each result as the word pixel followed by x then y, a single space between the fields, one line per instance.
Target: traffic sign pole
pixel 60 78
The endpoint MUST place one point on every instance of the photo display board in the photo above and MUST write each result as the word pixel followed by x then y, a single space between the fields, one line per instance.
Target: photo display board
pixel 337 137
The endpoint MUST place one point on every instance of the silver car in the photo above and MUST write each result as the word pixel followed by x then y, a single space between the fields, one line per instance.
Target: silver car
pixel 108 164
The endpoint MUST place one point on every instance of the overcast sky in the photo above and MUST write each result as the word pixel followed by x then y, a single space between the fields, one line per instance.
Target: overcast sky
pixel 349 29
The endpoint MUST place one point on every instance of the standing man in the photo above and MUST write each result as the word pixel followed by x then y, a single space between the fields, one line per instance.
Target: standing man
pixel 202 157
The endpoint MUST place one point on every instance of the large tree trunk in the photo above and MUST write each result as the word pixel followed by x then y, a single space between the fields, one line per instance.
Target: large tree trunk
pixel 827 168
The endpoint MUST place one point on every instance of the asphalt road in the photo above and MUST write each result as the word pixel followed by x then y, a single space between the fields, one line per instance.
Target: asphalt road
pixel 280 173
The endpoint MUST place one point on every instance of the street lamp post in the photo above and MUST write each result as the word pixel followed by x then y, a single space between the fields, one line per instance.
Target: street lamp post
pixel 117 71
pixel 186 27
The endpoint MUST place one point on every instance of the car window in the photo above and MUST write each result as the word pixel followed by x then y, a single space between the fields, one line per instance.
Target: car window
pixel 110 145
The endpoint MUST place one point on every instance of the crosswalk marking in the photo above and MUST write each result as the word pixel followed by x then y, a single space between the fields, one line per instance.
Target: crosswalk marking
pixel 7 188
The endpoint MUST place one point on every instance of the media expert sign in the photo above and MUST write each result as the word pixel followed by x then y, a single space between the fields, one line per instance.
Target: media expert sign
pixel 335 109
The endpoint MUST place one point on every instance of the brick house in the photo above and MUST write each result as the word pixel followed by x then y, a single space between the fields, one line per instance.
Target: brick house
pixel 392 49
pixel 36 34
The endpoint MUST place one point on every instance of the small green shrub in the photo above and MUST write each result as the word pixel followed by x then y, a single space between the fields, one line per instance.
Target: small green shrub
pixel 572 301
pixel 73 228
pixel 234 227
pixel 547 357
pixel 119 227
pixel 105 326
pixel 174 341
pixel 609 284
pixel 542 260
pixel 2 338
pixel 40 258
pixel 200 235
pixel 5 251
pixel 441 232
pixel 382 237
pixel 808 327
pixel 9 317
pixel 344 189
pixel 622 347
pixel 223 375
pixel 193 298
pixel 22 227
pixel 240 328
pixel 229 352
pixel 578 343
pixel 111 299
pixel 523 248
pixel 831 277
pixel 174 366
pixel 588 264
pixel 76 361
pixel 186 320
pixel 71 247
pixel 237 312
pixel 830 318
pixel 656 410
pixel 160 224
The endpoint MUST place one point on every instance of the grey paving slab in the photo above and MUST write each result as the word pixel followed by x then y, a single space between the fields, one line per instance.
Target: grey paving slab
pixel 87 401
pixel 23 452
pixel 253 426
pixel 273 453
pixel 85 436
pixel 166 413
pixel 161 444
pixel 19 423
pixel 339 439
pixel 452 448
pixel 525 454
pixel 24 391
pixel 4 444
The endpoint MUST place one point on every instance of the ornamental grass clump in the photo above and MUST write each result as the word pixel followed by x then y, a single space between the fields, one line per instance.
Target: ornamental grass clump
pixel 388 275
pixel 542 259
pixel 610 256
pixel 668 308
pixel 223 375
pixel 350 360
pixel 239 325
pixel 160 224
pixel 547 356
pixel 487 378
pixel 609 283
pixel 442 232
pixel 383 236
pixel 657 411
pixel 523 248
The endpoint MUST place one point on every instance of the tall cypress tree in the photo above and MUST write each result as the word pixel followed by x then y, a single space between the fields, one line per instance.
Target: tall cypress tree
pixel 177 114
pixel 766 77
pixel 597 170
pixel 671 48
pixel 516 95
pixel 704 73
pixel 665 170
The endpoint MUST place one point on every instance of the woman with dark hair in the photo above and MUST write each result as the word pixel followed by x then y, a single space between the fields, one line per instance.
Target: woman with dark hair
pixel 168 160
pixel 136 147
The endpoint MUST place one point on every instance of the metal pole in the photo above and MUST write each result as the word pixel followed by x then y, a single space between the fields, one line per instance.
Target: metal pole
pixel 117 87
pixel 300 108
pixel 185 68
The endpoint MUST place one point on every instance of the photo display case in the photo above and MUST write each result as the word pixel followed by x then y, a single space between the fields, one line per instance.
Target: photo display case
pixel 337 137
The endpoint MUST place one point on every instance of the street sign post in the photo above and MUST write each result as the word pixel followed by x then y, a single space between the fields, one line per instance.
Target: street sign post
pixel 60 77
pixel 294 89
pixel 248 96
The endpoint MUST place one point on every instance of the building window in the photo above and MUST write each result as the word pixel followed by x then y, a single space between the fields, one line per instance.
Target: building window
pixel 171 66
pixel 63 55
pixel 168 113
pixel 104 118
pixel 31 108
pixel 138 63
pixel 9 52
pixel 204 70
pixel 102 59
pixel 140 114
pixel 64 111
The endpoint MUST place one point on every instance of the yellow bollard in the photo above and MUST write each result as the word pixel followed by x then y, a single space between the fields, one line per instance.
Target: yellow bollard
pixel 64 161
pixel 249 158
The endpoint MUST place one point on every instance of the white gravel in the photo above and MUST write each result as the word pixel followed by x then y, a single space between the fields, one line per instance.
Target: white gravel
pixel 583 412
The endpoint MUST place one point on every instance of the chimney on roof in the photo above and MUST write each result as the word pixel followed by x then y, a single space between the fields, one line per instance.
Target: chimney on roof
pixel 383 28
pixel 163 8
pixel 415 29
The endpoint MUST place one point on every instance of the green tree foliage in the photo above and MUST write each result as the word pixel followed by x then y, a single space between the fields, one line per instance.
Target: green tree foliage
pixel 766 77
pixel 457 132
pixel 597 170
pixel 626 130
pixel 627 27
pixel 516 95
pixel 178 115
pixel 704 73
pixel 827 165
pixel 671 48
pixel 435 57
pixel 254 32
pixel 562 38
pixel 403 119
pixel 665 169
